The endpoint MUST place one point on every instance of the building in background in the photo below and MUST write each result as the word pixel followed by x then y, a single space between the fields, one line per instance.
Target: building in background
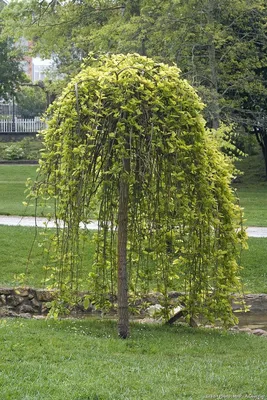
pixel 40 68
pixel 3 3
pixel 35 68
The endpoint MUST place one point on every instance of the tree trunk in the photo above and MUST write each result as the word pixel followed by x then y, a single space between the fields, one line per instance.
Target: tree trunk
pixel 261 136
pixel 264 152
pixel 123 313
pixel 213 67
pixel 213 77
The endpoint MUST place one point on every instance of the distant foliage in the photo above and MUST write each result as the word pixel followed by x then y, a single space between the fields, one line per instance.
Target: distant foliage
pixel 31 102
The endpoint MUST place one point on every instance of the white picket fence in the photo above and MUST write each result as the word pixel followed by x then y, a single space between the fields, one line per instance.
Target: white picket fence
pixel 21 125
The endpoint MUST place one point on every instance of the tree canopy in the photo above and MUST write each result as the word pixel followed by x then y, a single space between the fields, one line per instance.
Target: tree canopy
pixel 31 101
pixel 126 142
pixel 220 45
pixel 11 72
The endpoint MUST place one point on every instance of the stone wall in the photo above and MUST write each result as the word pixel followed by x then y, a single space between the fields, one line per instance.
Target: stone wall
pixel 24 301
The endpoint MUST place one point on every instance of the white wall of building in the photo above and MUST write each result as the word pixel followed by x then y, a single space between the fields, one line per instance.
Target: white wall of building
pixel 40 68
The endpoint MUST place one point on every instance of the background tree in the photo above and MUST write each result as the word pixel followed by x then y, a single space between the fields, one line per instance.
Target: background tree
pixel 11 73
pixel 31 101
pixel 126 141
pixel 219 45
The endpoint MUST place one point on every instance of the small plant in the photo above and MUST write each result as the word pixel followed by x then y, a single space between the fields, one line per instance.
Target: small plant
pixel 13 152
pixel 27 149
pixel 31 148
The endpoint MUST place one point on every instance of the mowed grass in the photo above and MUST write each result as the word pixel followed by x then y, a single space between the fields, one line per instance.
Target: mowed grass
pixel 22 259
pixel 16 257
pixel 254 262
pixel 12 186
pixel 84 360
pixel 254 202
pixel 251 188
pixel 21 254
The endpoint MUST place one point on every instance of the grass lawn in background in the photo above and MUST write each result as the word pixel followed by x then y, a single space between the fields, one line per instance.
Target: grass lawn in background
pixel 85 360
pixel 251 188
pixel 13 186
pixel 16 243
pixel 253 260
pixel 21 254
pixel 253 199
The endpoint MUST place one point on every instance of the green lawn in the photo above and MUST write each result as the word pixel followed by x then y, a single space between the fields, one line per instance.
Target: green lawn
pixel 84 360
pixel 254 202
pixel 16 243
pixel 21 255
pixel 12 186
pixel 251 188
pixel 254 273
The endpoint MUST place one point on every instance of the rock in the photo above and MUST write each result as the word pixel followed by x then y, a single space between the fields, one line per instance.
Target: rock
pixel 32 293
pixel 25 315
pixel 193 323
pixel 175 310
pixel 259 332
pixel 38 316
pixel 154 297
pixel 257 303
pixel 44 309
pixel 247 330
pixel 45 295
pixel 234 328
pixel 14 300
pixel 6 291
pixel 26 309
pixel 36 303
pixel 154 309
pixel 6 312
pixel 2 299
pixel 174 295
pixel 147 321
pixel 22 292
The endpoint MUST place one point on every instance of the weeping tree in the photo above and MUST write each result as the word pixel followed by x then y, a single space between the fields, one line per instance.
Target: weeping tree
pixel 126 141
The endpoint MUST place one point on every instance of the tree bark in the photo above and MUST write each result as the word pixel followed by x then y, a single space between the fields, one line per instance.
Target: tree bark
pixel 261 136
pixel 264 150
pixel 213 67
pixel 123 313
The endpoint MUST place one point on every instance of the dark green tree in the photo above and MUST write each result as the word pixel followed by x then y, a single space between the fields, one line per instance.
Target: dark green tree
pixel 31 101
pixel 11 72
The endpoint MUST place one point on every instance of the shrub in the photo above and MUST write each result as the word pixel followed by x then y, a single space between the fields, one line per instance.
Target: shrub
pixel 14 152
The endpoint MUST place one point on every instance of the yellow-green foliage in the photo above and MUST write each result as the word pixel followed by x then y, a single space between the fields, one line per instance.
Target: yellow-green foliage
pixel 183 223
